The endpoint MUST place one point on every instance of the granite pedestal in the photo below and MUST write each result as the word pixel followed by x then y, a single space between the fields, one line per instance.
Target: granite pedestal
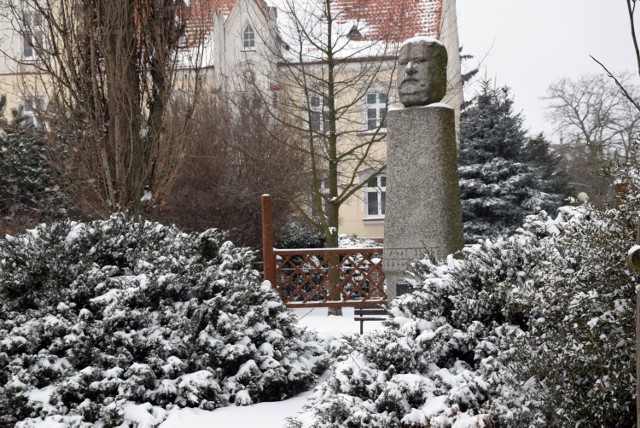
pixel 423 211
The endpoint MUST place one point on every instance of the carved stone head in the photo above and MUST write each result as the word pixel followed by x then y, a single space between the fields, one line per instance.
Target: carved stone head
pixel 422 71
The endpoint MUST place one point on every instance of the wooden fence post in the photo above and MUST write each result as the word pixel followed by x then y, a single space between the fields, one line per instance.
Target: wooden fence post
pixel 268 259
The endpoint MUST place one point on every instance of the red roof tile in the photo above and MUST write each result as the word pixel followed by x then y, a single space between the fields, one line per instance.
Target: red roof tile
pixel 394 20
pixel 201 13
pixel 222 7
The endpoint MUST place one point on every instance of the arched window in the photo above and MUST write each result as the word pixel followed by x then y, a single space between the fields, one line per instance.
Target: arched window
pixel 248 37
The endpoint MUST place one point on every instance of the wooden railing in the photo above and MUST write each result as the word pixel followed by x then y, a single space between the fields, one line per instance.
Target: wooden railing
pixel 322 276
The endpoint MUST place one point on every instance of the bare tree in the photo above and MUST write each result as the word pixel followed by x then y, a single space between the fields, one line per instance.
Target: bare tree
pixel 108 71
pixel 593 111
pixel 598 116
pixel 336 80
pixel 597 124
pixel 231 162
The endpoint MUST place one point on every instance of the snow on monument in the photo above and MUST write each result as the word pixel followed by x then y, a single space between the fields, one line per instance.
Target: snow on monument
pixel 423 214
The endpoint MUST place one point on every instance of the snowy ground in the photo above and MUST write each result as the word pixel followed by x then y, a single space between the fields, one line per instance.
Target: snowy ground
pixel 270 415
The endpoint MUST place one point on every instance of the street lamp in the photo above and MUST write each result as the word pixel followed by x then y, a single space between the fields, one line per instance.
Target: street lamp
pixel 583 197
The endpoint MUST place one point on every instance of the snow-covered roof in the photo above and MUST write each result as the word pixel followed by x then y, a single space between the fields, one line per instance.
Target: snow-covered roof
pixel 395 20
pixel 363 28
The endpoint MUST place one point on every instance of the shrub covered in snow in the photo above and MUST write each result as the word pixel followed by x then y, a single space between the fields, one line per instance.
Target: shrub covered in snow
pixel 346 241
pixel 301 235
pixel 581 346
pixel 298 234
pixel 30 189
pixel 531 330
pixel 96 317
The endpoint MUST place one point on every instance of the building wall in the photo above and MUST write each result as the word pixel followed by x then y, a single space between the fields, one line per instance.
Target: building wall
pixel 241 68
pixel 449 37
pixel 17 77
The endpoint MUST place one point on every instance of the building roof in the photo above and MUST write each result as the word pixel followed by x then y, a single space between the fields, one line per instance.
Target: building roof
pixel 221 7
pixel 394 20
pixel 202 12
pixel 359 23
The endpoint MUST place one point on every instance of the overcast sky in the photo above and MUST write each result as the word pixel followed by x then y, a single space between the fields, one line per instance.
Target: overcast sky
pixel 528 44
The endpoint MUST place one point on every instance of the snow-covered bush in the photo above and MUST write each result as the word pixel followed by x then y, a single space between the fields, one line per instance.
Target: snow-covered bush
pixel 347 241
pixel 581 346
pixel 433 363
pixel 535 329
pixel 97 315
pixel 30 190
pixel 298 234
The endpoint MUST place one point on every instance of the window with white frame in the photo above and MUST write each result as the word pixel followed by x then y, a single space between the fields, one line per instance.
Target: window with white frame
pixel 30 108
pixel 319 113
pixel 376 110
pixel 375 195
pixel 248 38
pixel 32 34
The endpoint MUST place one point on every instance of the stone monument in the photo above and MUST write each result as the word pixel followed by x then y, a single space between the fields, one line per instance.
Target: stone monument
pixel 423 211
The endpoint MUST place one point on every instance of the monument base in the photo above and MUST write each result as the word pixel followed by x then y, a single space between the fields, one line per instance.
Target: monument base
pixel 423 211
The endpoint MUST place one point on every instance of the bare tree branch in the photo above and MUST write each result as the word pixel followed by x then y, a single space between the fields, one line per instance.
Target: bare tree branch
pixel 631 8
pixel 325 78
pixel 109 70
pixel 618 83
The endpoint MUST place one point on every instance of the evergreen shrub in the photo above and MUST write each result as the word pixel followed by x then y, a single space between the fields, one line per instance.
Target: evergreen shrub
pixel 533 329
pixel 95 317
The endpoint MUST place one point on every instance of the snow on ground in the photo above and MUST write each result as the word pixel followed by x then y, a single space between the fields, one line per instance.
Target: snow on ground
pixel 262 415
pixel 275 414
pixel 332 327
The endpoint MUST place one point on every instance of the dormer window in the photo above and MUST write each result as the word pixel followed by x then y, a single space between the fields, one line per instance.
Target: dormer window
pixel 248 38
pixel 182 40
pixel 354 33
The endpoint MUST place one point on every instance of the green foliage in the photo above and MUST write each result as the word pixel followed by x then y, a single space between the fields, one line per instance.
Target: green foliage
pixel 297 234
pixel 96 315
pixel 582 343
pixel 30 189
pixel 504 174
pixel 534 329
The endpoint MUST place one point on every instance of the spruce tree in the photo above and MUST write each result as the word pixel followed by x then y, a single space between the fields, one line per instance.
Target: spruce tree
pixel 552 179
pixel 31 191
pixel 504 174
